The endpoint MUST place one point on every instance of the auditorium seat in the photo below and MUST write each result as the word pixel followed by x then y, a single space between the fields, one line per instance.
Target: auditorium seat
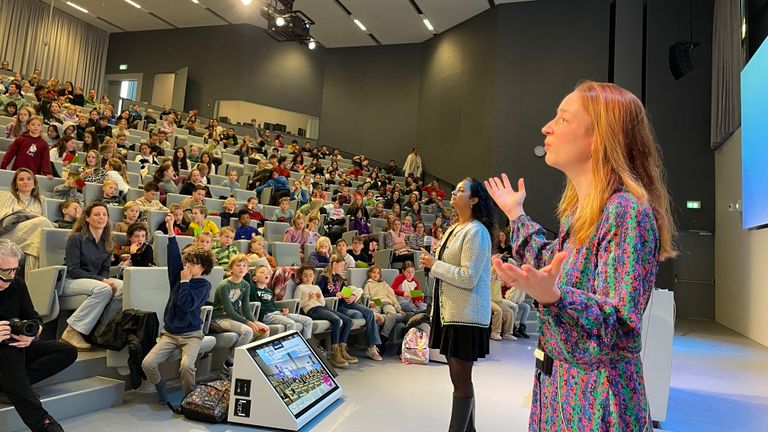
pixel 286 254
pixel 160 243
pixel 274 231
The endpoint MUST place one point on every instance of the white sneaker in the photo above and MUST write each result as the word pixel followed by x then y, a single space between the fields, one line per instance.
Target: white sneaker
pixel 509 337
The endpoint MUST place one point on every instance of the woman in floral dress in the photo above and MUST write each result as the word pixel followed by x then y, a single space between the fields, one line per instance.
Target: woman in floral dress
pixel 593 282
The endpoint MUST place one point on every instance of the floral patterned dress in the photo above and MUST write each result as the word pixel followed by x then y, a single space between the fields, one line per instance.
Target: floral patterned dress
pixel 593 331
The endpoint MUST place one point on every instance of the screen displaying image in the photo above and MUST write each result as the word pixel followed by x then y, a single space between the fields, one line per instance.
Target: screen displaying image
pixel 754 136
pixel 294 371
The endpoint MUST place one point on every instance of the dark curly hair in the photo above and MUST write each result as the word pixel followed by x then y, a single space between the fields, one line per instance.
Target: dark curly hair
pixel 198 255
pixel 483 209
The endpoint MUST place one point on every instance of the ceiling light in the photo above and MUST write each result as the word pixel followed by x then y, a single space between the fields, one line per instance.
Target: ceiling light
pixel 80 8
pixel 280 21
pixel 195 1
pixel 428 24
pixel 359 24
pixel 134 4
pixel 246 2
pixel 312 44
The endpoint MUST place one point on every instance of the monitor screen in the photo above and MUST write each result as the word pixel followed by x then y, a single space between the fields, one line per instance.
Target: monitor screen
pixel 754 137
pixel 294 371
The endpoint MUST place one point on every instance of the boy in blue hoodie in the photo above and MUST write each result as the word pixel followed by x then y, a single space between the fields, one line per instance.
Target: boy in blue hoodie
pixel 183 324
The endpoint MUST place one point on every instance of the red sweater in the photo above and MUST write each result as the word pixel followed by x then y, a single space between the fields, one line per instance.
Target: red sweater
pixel 399 279
pixel 29 152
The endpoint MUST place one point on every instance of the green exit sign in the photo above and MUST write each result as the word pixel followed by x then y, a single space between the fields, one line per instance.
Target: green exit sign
pixel 693 204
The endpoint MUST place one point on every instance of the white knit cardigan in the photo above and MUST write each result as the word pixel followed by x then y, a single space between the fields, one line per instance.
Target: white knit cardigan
pixel 465 277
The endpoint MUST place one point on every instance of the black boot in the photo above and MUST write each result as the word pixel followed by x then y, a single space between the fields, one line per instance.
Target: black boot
pixel 461 411
pixel 471 422
pixel 49 424
pixel 523 330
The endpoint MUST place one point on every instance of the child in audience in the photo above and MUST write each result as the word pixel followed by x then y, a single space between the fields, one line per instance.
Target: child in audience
pixel 149 200
pixel 180 226
pixel 359 223
pixel 131 215
pixel 109 193
pixel 284 213
pixel 390 312
pixel 228 212
pixel 341 252
pixel 231 182
pixel 141 254
pixel 357 253
pixel 69 190
pixel 515 298
pixel 204 240
pixel 270 314
pixel 231 309
pixel 403 284
pixel 224 248
pixel 194 154
pixel 183 323
pixel 407 228
pixel 312 303
pixel 245 231
pixel 199 221
pixel 313 227
pixel 331 282
pixel 321 256
pixel 297 232
pixel 251 205
pixel 70 211
pixel 502 316
pixel 196 199
pixel 116 171
pixel 373 247
pixel 258 255
pixel 29 150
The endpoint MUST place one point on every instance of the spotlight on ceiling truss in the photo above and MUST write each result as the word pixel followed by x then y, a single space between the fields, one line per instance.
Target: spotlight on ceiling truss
pixel 285 24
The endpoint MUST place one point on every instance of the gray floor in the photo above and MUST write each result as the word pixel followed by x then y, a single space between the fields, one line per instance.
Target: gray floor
pixel 719 383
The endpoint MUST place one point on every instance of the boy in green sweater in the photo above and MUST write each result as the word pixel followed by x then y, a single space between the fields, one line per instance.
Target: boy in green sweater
pixel 270 314
pixel 231 309
pixel 224 249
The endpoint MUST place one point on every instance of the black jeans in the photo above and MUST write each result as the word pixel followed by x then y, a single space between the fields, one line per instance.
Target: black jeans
pixel 40 360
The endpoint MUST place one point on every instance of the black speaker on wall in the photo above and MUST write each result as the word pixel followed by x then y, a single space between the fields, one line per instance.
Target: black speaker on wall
pixel 680 62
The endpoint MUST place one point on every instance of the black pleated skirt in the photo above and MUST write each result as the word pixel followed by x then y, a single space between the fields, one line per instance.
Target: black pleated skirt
pixel 464 342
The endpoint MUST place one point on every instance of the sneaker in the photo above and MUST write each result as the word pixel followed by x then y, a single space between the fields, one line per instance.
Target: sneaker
pixel 495 336
pixel 509 337
pixel 373 353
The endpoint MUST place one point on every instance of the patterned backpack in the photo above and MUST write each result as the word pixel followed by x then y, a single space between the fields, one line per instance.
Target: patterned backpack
pixel 208 402
pixel 415 346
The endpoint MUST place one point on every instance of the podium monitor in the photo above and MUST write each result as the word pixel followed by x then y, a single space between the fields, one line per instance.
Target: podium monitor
pixel 279 382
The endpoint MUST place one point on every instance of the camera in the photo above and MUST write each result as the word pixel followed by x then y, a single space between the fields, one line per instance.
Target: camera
pixel 22 328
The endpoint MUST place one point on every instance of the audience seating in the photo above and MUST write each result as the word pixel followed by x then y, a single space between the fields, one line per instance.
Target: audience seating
pixel 274 231
pixel 286 254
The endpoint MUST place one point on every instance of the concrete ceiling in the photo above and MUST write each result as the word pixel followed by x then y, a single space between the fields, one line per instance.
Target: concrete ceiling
pixel 387 21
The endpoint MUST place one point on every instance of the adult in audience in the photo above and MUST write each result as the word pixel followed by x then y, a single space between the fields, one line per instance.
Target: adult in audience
pixel 13 94
pixel 25 360
pixel 462 295
pixel 279 185
pixel 30 151
pixel 413 164
pixel 619 227
pixel 23 207
pixel 92 98
pixel 91 170
pixel 395 240
pixel 164 176
pixel 146 158
pixel 88 256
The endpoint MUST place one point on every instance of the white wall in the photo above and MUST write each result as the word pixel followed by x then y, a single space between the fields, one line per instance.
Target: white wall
pixel 162 89
pixel 741 257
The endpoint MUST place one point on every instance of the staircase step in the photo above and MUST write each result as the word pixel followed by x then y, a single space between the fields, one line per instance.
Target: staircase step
pixel 88 364
pixel 69 399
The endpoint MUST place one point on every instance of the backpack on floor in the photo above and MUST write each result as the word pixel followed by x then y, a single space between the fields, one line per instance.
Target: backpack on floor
pixel 415 346
pixel 208 402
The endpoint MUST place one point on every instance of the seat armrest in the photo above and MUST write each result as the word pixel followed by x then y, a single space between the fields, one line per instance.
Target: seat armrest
pixel 206 313
pixel 45 285
pixel 331 303
pixel 292 305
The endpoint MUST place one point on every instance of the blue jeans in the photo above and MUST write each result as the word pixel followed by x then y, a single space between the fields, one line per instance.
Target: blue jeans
pixel 340 323
pixel 356 310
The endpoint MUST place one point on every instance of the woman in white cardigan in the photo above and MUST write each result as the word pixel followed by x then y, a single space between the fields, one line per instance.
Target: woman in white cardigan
pixel 461 313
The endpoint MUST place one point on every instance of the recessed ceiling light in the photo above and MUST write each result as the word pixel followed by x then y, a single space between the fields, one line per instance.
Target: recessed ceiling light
pixel 195 1
pixel 246 2
pixel 428 24
pixel 359 24
pixel 312 44
pixel 280 21
pixel 133 3
pixel 80 8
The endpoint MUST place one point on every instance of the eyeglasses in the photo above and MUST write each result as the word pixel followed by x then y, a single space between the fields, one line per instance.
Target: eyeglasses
pixel 7 275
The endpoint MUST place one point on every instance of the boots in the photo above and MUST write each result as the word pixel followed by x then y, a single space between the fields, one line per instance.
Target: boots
pixel 461 413
pixel 523 330
pixel 471 422
pixel 74 338
pixel 345 354
pixel 336 359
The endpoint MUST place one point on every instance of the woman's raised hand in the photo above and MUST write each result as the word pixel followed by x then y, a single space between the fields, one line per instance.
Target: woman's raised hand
pixel 510 202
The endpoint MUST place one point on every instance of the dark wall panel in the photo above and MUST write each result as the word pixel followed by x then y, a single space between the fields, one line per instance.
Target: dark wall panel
pixel 371 99
pixel 225 62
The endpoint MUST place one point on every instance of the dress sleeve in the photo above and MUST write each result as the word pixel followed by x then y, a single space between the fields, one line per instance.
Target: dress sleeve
pixel 529 243
pixel 588 327
pixel 476 249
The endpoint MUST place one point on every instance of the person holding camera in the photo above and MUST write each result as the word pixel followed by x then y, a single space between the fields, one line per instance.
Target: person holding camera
pixel 25 360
